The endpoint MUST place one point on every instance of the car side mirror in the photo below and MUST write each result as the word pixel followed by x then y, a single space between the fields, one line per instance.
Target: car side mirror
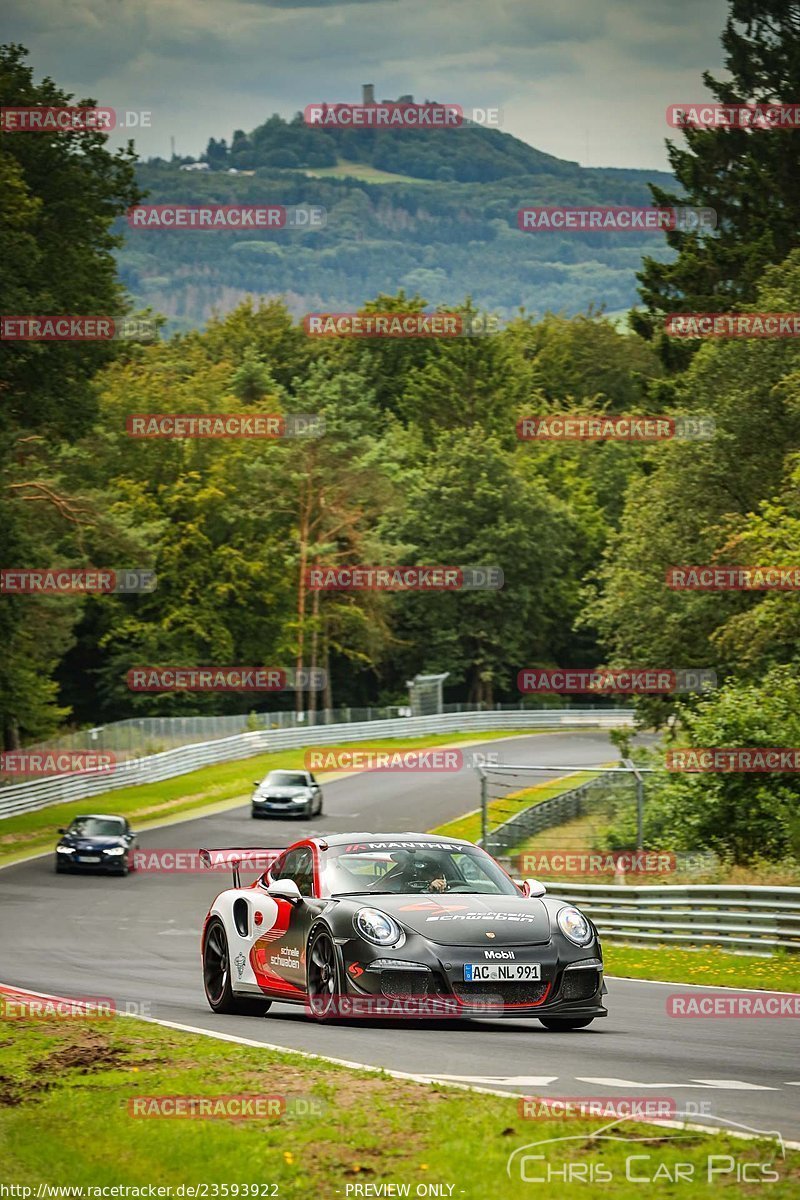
pixel 256 783
pixel 285 889
pixel 532 887
pixel 62 831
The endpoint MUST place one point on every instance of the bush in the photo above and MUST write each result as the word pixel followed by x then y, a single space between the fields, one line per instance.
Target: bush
pixel 741 816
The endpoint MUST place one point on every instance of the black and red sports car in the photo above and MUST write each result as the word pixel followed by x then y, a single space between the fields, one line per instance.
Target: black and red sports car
pixel 408 924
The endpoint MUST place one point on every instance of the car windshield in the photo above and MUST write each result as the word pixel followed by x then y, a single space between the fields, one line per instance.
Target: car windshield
pixel 408 868
pixel 97 827
pixel 286 779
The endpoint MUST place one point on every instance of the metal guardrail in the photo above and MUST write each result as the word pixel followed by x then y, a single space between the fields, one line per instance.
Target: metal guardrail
pixel 729 916
pixel 542 815
pixel 41 793
pixel 757 919
pixel 139 737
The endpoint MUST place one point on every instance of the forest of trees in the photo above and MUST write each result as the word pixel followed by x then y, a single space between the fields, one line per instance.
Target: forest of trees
pixel 442 221
pixel 420 463
pixel 441 240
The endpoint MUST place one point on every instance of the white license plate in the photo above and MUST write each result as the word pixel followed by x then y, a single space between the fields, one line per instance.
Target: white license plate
pixel 88 858
pixel 501 972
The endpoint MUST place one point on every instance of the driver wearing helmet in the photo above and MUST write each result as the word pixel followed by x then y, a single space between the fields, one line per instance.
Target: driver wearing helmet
pixel 415 874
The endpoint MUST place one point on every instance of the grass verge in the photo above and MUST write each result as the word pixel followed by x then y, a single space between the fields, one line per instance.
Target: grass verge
pixel 65 1120
pixel 363 171
pixel 469 826
pixel 151 803
pixel 674 964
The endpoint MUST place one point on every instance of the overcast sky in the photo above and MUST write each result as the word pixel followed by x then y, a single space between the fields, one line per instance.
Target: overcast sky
pixel 587 80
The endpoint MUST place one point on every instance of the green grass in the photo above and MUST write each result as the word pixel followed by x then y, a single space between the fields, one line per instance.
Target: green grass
pixel 352 170
pixel 222 785
pixel 674 964
pixel 66 1085
pixel 469 826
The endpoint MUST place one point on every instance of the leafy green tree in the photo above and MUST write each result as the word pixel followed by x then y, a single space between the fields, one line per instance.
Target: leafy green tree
pixel 586 358
pixel 468 506
pixel 695 494
pixel 59 197
pixel 474 380
pixel 59 200
pixel 767 632
pixel 743 817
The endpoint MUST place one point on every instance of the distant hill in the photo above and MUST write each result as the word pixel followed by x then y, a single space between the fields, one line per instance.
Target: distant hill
pixel 432 211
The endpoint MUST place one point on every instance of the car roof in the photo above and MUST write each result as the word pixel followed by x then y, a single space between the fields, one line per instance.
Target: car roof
pixel 431 840
pixel 98 817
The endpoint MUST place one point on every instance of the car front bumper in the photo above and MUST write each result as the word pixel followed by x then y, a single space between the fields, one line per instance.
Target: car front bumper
pixel 74 862
pixel 570 987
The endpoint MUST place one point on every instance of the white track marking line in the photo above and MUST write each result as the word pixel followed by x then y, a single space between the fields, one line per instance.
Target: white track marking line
pixel 356 1066
pixel 736 1085
pixel 509 1080
pixel 705 987
pixel 718 1084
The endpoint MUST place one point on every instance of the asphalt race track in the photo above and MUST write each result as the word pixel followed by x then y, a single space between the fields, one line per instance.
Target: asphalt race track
pixel 136 939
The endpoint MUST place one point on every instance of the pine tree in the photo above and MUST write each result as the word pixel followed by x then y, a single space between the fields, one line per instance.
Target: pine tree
pixel 751 178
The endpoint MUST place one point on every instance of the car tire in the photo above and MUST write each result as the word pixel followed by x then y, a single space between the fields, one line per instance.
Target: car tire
pixel 126 866
pixel 322 974
pixel 565 1024
pixel 255 814
pixel 60 870
pixel 217 976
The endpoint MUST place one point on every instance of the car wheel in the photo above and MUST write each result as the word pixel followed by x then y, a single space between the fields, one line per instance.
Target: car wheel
pixel 59 869
pixel 564 1024
pixel 217 976
pixel 126 865
pixel 323 975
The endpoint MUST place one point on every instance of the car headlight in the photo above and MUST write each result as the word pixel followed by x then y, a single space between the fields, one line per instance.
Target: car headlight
pixel 377 927
pixel 302 797
pixel 65 849
pixel 115 850
pixel 573 925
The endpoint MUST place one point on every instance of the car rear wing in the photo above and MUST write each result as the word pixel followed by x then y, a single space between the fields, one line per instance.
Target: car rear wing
pixel 247 858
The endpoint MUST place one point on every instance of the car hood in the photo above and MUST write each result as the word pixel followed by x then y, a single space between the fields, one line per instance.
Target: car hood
pixel 465 920
pixel 282 792
pixel 95 843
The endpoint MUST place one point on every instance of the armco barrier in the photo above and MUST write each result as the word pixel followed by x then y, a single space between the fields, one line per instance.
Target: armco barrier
pixel 725 915
pixel 40 793
pixel 543 815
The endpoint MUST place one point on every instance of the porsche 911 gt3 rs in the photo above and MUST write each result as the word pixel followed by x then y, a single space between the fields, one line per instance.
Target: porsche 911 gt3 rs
pixel 398 925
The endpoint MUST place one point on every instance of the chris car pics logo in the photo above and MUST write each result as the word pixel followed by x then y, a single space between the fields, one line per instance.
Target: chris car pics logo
pixel 615 1154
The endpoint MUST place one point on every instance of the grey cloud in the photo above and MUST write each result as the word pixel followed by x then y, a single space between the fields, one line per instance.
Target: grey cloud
pixel 564 74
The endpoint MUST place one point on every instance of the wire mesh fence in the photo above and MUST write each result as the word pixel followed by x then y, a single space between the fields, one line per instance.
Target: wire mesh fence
pixel 587 826
pixel 139 737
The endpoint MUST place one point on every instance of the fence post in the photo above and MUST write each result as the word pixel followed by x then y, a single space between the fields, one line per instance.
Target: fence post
pixel 484 810
pixel 639 804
